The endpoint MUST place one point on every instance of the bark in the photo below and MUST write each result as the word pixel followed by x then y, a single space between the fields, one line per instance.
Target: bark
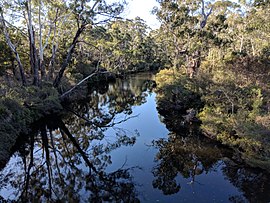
pixel 33 60
pixel 33 51
pixel 41 46
pixel 241 44
pixel 194 63
pixel 68 57
pixel 41 50
pixel 54 49
pixel 253 48
pixel 12 47
pixel 52 62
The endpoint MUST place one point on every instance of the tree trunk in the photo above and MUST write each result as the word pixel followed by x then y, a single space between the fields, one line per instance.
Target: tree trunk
pixel 41 52
pixel 33 60
pixel 52 62
pixel 54 49
pixel 33 51
pixel 241 44
pixel 12 47
pixel 205 16
pixel 68 57
pixel 194 63
pixel 253 48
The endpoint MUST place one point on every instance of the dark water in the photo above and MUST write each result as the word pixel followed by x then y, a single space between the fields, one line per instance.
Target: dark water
pixel 113 147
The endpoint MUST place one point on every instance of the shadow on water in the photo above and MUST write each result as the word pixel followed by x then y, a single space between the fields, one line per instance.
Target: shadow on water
pixel 67 158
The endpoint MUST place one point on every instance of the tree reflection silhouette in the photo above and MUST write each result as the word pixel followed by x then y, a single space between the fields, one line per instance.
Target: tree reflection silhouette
pixel 54 167
pixel 254 182
pixel 193 155
pixel 66 159
pixel 190 156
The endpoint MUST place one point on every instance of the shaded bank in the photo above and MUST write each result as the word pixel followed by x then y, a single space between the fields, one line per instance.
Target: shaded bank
pixel 229 110
pixel 179 104
pixel 21 107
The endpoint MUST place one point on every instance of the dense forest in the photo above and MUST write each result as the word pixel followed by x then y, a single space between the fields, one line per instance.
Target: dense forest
pixel 212 59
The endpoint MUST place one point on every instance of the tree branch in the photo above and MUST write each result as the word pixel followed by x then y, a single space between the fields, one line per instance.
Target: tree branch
pixel 205 16
pixel 79 83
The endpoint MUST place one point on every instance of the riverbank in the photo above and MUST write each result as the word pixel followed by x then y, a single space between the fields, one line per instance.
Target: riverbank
pixel 20 107
pixel 231 111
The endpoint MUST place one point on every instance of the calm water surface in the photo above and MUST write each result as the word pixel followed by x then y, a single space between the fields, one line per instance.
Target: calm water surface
pixel 114 147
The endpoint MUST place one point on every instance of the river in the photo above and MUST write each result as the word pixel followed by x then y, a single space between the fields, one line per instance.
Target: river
pixel 114 147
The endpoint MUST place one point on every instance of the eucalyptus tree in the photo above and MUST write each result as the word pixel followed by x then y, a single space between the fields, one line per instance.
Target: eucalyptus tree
pixel 55 24
pixel 87 14
pixel 121 46
pixel 188 30
pixel 257 29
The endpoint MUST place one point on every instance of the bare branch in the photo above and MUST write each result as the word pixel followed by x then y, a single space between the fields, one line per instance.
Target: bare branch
pixel 89 44
pixel 82 81
pixel 96 3
pixel 23 33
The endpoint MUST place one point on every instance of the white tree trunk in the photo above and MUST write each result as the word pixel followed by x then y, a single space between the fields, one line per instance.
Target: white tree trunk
pixel 33 51
pixel 41 50
pixel 12 47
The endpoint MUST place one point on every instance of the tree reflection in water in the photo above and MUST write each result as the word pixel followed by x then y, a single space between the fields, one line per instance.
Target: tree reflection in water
pixel 255 183
pixel 56 166
pixel 190 156
pixel 193 155
pixel 67 160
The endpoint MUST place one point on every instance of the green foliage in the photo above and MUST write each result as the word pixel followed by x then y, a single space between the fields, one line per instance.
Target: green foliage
pixel 178 100
pixel 50 43
pixel 20 107
pixel 235 110
pixel 122 46
pixel 235 99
